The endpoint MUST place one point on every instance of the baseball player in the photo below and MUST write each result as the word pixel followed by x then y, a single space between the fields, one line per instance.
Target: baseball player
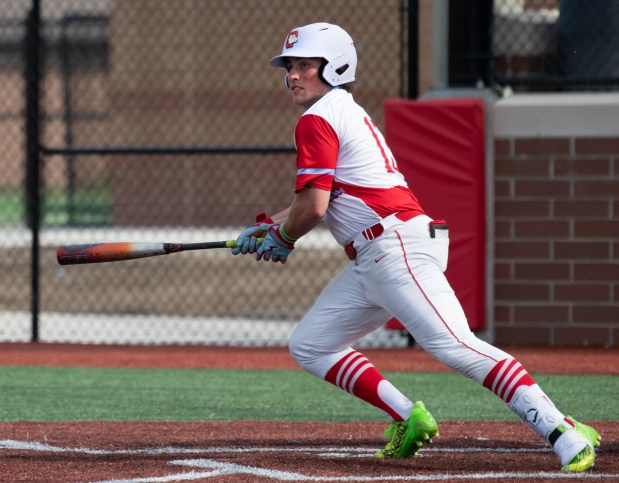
pixel 348 178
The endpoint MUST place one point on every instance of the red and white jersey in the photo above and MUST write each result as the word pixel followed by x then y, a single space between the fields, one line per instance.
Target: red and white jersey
pixel 340 149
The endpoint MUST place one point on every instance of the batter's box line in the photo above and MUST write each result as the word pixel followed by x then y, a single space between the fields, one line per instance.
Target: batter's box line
pixel 218 468
pixel 226 469
pixel 329 451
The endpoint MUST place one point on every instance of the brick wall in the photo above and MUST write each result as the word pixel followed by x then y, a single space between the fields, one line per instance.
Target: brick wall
pixel 556 230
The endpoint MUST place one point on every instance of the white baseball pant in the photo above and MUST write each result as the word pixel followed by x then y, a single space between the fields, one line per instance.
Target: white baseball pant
pixel 400 274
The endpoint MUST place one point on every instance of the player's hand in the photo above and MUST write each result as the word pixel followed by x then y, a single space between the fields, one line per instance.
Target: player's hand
pixel 247 241
pixel 276 245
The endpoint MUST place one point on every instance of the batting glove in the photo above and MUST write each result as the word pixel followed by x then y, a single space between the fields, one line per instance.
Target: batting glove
pixel 247 242
pixel 276 245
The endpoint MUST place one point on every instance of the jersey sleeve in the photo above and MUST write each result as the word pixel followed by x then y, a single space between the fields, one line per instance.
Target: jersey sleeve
pixel 317 150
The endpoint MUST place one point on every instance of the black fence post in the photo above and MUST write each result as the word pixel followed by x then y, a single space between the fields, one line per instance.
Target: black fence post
pixel 413 46
pixel 32 50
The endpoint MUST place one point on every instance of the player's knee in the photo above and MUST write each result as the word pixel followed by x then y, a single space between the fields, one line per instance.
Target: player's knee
pixel 302 353
pixel 298 349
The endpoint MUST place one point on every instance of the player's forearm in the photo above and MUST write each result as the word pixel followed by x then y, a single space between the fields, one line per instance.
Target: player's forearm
pixel 281 216
pixel 306 212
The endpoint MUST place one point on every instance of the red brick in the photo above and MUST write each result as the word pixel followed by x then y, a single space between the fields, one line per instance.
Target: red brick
pixel 502 188
pixel 582 208
pixel 541 146
pixel 581 250
pixel 597 229
pixel 502 147
pixel 582 293
pixel 596 271
pixel 550 314
pixel 616 250
pixel 502 271
pixel 542 229
pixel 582 167
pixel 595 314
pixel 542 271
pixel 542 189
pixel 616 293
pixel 596 145
pixel 521 291
pixel 521 167
pixel 599 188
pixel 507 336
pixel 502 313
pixel 503 229
pixel 581 336
pixel 526 250
pixel 515 208
pixel 616 209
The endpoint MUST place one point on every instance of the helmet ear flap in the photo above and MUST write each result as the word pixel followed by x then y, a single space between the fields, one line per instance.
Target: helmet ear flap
pixel 321 71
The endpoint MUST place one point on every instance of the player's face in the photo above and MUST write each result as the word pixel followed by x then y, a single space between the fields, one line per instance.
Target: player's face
pixel 303 80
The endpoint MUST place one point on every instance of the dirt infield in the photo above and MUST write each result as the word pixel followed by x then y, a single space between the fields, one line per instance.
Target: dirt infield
pixel 578 360
pixel 261 451
pixel 251 451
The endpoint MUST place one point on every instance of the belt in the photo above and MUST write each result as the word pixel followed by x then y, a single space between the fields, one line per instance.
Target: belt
pixel 377 230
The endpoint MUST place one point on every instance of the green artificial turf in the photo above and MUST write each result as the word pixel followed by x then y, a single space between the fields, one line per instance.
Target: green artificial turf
pixel 81 394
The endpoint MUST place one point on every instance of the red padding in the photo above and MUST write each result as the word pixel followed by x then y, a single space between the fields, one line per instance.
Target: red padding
pixel 439 146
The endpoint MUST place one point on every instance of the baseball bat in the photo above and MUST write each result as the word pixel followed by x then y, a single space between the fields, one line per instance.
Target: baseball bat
pixel 120 251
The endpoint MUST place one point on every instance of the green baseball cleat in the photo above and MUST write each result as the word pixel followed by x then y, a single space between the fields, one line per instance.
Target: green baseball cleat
pixel 582 461
pixel 587 431
pixel 575 433
pixel 409 435
pixel 586 458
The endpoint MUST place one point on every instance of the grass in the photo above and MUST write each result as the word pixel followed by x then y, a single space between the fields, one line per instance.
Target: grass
pixel 30 393
pixel 12 207
pixel 89 207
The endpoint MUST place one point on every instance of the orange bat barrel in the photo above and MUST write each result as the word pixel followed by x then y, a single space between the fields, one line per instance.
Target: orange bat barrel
pixel 112 252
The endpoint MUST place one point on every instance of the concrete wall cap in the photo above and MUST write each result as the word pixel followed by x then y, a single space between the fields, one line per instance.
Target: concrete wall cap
pixel 557 115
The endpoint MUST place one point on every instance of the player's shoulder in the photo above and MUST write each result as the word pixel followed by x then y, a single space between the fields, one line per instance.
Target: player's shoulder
pixel 337 107
pixel 333 101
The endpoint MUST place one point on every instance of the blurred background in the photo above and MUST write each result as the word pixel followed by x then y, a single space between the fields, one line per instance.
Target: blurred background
pixel 150 120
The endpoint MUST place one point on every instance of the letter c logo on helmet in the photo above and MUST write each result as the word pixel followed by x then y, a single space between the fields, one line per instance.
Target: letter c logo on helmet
pixel 293 38
pixel 325 41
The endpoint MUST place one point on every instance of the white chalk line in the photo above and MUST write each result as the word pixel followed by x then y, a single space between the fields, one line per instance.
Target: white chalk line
pixel 219 468
pixel 343 451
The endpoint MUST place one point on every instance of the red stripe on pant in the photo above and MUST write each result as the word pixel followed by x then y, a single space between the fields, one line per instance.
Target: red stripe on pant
pixel 355 374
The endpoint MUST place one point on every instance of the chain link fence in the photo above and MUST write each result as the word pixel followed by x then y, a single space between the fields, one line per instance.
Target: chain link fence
pixel 161 121
pixel 556 45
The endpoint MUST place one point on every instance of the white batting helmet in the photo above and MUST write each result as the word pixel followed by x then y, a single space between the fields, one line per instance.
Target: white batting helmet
pixel 326 41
